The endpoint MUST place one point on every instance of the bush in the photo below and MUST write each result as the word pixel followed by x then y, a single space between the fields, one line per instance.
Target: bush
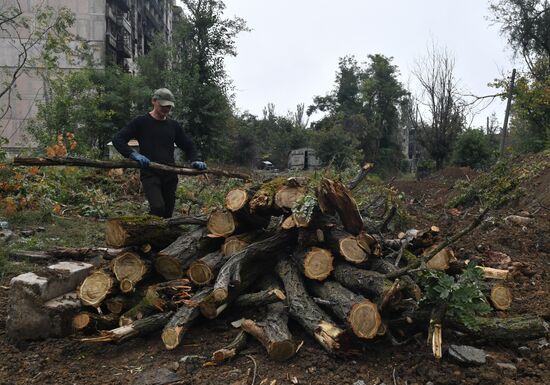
pixel 473 149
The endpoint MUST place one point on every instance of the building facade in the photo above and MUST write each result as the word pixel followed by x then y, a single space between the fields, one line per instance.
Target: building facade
pixel 117 31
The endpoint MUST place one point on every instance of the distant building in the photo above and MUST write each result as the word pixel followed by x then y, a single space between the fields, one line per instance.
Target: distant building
pixel 303 159
pixel 118 31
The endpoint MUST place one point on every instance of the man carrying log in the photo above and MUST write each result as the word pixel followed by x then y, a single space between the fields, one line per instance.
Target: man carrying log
pixel 156 134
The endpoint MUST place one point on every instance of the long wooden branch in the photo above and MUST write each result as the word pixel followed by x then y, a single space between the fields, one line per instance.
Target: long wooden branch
pixel 423 258
pixel 80 162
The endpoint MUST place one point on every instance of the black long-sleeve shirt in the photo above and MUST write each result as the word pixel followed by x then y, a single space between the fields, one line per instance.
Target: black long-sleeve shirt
pixel 156 139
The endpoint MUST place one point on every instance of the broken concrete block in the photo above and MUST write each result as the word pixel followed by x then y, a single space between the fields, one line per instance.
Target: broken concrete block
pixel 53 281
pixel 42 304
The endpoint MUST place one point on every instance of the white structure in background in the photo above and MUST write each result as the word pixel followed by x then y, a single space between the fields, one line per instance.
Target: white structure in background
pixel 118 31
pixel 303 159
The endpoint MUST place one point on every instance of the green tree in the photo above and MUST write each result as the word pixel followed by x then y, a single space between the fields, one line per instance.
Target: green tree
pixel 473 149
pixel 526 24
pixel 92 104
pixel 192 66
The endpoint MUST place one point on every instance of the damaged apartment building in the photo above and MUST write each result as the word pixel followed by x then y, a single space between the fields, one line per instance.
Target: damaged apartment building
pixel 117 31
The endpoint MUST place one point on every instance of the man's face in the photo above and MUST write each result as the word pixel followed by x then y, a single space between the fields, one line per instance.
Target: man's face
pixel 163 111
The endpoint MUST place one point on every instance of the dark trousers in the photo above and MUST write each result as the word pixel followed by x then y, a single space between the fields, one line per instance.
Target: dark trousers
pixel 160 191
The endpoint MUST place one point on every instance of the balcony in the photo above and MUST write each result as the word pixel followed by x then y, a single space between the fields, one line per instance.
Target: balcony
pixel 111 39
pixel 124 45
pixel 124 23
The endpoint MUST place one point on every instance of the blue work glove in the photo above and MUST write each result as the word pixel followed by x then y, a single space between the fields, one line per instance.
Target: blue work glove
pixel 143 160
pixel 199 165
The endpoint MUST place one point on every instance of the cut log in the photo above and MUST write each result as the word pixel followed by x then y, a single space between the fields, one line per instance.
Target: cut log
pixel 90 322
pixel 180 322
pixel 260 298
pixel 360 314
pixel 141 327
pixel 174 260
pixel 338 196
pixel 499 295
pixel 347 246
pixel 360 176
pixel 490 273
pixel 370 244
pixel 442 260
pixel 263 200
pixel 315 263
pixel 202 271
pixel 237 199
pixel 129 268
pixel 409 286
pixel 122 303
pixel 129 231
pixel 241 267
pixel 231 349
pixel 273 333
pixel 287 196
pixel 370 283
pixel 221 224
pixel 95 288
pixel 305 311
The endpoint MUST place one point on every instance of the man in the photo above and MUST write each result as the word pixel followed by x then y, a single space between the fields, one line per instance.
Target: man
pixel 156 134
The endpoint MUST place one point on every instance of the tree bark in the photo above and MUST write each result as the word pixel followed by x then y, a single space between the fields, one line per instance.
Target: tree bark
pixel 202 271
pixel 306 312
pixel 80 162
pixel 180 322
pixel 337 196
pixel 174 260
pixel 87 322
pixel 273 333
pixel 231 349
pixel 130 231
pixel 143 326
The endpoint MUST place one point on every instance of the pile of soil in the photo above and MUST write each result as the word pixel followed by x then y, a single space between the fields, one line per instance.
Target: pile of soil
pixel 145 360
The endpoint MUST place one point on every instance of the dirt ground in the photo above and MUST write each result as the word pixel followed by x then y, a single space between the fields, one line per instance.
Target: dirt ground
pixel 68 361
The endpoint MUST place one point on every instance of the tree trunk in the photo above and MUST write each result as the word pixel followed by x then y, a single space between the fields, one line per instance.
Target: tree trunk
pixel 499 295
pixel 338 197
pixel 138 328
pixel 202 271
pixel 221 224
pixel 90 322
pixel 371 283
pixel 130 231
pixel 347 246
pixel 260 298
pixel 305 311
pixel 95 288
pixel 129 269
pixel 315 263
pixel 273 333
pixel 358 313
pixel 180 322
pixel 174 260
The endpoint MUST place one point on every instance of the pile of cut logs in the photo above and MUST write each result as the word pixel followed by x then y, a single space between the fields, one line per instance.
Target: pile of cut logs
pixel 284 248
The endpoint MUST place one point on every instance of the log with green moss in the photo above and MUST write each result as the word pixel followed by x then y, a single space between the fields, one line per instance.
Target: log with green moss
pixel 129 231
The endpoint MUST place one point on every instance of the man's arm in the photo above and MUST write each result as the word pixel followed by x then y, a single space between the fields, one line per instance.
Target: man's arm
pixel 123 136
pixel 186 144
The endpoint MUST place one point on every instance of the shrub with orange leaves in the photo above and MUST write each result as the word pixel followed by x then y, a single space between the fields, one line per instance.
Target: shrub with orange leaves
pixel 60 148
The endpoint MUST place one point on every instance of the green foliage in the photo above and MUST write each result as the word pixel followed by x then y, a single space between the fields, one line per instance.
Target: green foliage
pixel 473 149
pixel 192 66
pixel 364 106
pixel 501 184
pixel 91 103
pixel 461 294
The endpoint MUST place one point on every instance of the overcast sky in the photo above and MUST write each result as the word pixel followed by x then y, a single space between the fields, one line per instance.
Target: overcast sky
pixel 291 53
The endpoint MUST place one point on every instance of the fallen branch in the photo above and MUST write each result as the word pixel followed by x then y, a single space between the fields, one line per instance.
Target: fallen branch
pixel 80 162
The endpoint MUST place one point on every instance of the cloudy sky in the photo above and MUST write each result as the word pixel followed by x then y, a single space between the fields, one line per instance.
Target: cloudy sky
pixel 292 52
